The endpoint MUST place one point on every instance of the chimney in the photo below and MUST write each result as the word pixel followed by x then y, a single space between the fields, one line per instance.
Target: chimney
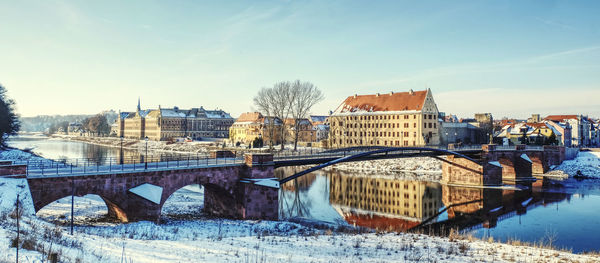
pixel 377 95
pixel 411 92
pixel 355 96
pixel 391 93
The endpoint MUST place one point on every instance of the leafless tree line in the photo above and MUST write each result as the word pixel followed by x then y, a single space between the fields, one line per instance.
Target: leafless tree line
pixel 287 99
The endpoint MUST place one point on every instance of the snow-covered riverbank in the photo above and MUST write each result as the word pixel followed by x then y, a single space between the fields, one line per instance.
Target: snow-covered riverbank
pixel 220 240
pixel 140 145
pixel 585 165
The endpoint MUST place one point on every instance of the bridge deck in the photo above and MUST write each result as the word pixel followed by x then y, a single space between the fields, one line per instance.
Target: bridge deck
pixel 60 169
pixel 72 170
pixel 330 156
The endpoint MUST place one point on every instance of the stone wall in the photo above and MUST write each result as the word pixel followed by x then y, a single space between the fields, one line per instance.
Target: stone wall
pixel 19 170
pixel 461 171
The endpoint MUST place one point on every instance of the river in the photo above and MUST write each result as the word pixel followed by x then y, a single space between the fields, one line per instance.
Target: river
pixel 563 213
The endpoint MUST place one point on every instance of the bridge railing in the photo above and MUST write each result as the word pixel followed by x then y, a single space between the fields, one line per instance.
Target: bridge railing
pixel 115 164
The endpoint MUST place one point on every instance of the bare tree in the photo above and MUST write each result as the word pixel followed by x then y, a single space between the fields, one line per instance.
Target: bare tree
pixel 282 93
pixel 264 103
pixel 303 96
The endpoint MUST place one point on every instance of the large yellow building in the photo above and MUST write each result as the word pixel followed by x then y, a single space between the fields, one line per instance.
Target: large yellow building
pixel 395 119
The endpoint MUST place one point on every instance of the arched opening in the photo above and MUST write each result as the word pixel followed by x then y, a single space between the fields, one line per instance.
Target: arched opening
pixel 87 209
pixel 185 203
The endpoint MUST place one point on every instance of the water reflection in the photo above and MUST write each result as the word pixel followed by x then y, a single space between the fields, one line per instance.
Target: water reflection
pixel 389 204
pixel 383 204
pixel 81 153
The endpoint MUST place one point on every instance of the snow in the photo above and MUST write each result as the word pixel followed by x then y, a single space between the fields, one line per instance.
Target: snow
pixel 150 192
pixel 586 165
pixel 496 163
pixel 526 158
pixel 14 154
pixel 496 209
pixel 526 202
pixel 268 182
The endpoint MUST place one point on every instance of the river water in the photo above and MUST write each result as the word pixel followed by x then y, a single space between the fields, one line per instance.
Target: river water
pixel 563 213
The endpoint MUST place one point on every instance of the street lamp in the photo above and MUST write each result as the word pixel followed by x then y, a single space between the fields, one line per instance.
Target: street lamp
pixel 146 156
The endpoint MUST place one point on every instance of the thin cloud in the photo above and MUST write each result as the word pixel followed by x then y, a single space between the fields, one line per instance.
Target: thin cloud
pixel 554 23
pixel 526 64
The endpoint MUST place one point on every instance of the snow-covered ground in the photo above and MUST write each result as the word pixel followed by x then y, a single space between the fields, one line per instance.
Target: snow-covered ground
pixel 418 168
pixel 140 145
pixel 15 154
pixel 200 238
pixel 585 165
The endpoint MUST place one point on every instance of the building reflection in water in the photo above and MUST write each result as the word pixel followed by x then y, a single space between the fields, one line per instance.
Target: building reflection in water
pixel 386 204
pixel 383 204
pixel 472 208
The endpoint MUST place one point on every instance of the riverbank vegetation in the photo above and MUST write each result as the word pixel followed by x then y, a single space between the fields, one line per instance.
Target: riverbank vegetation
pixel 9 120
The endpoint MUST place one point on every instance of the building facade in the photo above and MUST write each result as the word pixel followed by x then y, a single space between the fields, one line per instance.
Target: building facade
pixel 580 128
pixel 394 119
pixel 252 125
pixel 305 131
pixel 169 123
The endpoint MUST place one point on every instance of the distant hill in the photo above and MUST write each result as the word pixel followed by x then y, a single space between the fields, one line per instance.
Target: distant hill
pixel 41 123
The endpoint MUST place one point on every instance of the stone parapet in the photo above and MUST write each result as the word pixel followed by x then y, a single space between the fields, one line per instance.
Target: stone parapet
pixel 488 147
pixel 254 159
pixel 222 154
pixel 13 170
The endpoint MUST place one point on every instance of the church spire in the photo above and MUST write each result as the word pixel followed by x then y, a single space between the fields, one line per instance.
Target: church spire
pixel 139 108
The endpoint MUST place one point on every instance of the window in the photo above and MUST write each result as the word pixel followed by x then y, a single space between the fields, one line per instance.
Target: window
pixel 415 125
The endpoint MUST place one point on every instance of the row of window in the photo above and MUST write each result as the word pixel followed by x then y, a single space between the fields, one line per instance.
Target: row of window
pixel 384 143
pixel 376 134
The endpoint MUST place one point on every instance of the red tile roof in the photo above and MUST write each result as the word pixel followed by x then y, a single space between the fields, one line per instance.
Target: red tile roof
pixel 560 117
pixel 399 101
pixel 250 116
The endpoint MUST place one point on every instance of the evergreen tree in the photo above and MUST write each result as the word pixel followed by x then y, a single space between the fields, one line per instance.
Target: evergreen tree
pixel 9 120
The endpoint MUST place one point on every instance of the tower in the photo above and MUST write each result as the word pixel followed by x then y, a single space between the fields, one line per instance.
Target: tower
pixel 138 106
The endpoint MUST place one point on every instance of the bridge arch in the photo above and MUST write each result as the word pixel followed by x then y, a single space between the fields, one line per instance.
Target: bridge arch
pixel 184 201
pixel 83 204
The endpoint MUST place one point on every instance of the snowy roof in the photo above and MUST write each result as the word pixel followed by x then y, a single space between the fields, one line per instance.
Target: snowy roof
pixel 395 102
pixel 194 113
pixel 249 117
pixel 317 118
pixel 561 117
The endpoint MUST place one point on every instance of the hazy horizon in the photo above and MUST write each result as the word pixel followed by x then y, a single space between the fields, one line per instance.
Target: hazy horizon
pixel 509 58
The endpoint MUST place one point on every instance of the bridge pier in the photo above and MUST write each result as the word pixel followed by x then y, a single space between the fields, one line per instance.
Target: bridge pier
pixel 460 171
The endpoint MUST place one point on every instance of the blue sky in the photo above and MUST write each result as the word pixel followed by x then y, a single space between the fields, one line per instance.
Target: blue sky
pixel 511 58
